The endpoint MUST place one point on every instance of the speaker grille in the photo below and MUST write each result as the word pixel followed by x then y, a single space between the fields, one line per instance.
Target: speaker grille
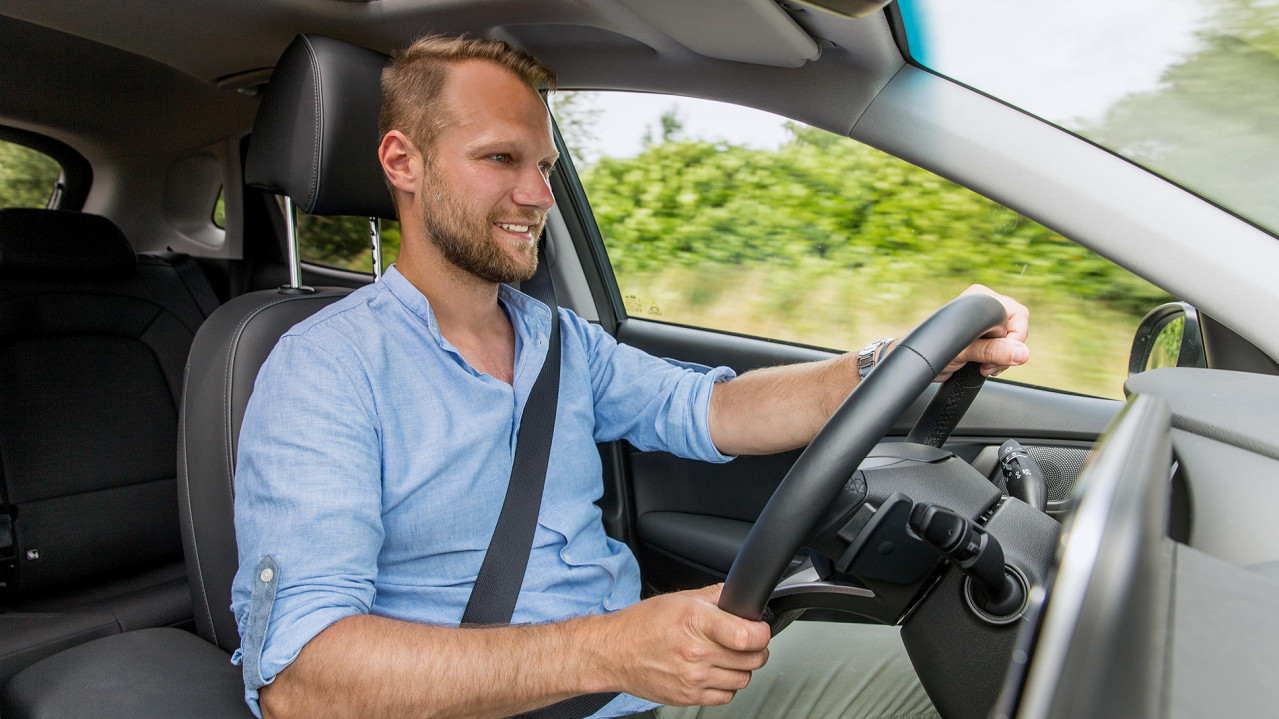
pixel 1061 466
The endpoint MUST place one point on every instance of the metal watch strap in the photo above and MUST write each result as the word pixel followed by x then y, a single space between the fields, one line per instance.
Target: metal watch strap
pixel 871 354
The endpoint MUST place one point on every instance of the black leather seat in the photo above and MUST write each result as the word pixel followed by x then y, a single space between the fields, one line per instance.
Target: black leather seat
pixel 315 141
pixel 93 340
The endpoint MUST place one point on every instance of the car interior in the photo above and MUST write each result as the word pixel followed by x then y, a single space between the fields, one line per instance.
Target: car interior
pixel 1132 574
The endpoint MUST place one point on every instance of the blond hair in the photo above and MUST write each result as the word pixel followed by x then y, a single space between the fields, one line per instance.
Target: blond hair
pixel 413 82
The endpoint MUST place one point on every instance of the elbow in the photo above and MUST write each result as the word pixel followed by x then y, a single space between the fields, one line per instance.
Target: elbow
pixel 274 700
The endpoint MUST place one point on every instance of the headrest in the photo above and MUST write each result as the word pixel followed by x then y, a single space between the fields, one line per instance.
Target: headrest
pixel 55 246
pixel 315 137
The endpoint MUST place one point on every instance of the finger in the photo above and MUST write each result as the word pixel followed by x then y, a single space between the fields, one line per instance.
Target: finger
pixel 735 633
pixel 730 680
pixel 1002 352
pixel 1018 321
pixel 710 594
pixel 707 698
pixel 742 661
pixel 1017 326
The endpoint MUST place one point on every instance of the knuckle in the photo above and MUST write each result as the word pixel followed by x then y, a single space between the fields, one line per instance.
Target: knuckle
pixel 693 653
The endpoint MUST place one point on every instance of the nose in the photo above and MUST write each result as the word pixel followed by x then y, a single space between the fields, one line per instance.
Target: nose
pixel 533 189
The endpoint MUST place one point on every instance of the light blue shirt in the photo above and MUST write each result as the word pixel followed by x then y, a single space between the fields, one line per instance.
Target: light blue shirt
pixel 373 463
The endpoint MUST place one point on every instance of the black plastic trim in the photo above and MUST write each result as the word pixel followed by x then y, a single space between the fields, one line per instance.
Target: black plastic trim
pixel 575 209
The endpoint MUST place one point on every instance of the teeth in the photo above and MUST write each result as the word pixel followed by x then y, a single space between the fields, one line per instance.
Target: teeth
pixel 513 228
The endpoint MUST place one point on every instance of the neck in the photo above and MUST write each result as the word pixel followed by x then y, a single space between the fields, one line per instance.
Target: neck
pixel 463 303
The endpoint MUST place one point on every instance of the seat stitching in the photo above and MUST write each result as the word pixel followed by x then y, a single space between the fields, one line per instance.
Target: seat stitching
pixel 315 150
pixel 195 547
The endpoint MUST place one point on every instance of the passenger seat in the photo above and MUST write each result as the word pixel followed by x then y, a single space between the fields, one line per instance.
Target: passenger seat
pixel 93 342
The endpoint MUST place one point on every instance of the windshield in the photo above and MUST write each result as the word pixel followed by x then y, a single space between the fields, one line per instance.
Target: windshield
pixel 1186 88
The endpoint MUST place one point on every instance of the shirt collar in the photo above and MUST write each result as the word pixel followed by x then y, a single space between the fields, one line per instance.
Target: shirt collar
pixel 531 316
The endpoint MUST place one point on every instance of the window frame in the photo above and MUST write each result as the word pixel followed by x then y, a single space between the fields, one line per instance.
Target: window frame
pixel 72 187
pixel 594 253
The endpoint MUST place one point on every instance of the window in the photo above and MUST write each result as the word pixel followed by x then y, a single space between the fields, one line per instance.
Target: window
pixel 27 178
pixel 731 219
pixel 219 209
pixel 344 242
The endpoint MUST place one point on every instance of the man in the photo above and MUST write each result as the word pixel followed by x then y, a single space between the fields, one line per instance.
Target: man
pixel 377 446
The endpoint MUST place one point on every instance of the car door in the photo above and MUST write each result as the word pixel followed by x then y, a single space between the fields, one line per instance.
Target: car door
pixel 791 228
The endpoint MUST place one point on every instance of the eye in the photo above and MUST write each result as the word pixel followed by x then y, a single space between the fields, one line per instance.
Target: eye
pixel 501 157
pixel 547 168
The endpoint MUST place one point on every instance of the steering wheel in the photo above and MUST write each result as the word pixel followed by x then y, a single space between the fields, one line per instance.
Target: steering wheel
pixel 816 478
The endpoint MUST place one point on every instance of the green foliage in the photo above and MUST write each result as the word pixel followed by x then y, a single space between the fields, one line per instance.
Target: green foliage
pixel 1211 122
pixel 344 242
pixel 1167 346
pixel 27 177
pixel 824 207
pixel 576 114
pixel 219 209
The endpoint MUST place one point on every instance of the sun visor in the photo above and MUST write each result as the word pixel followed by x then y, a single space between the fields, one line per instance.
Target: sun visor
pixel 754 31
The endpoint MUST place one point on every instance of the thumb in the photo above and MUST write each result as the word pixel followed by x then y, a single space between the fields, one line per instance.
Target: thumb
pixel 710 594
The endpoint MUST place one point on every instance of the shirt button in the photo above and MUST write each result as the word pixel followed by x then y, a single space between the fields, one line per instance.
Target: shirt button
pixel 541 342
pixel 266 575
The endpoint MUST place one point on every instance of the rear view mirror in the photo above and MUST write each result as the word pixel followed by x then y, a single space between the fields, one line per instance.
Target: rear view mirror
pixel 1169 336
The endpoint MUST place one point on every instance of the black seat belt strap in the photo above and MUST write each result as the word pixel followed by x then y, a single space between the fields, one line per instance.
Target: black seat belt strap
pixel 193 277
pixel 497 586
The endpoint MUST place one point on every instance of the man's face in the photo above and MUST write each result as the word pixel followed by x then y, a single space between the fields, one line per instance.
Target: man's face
pixel 484 193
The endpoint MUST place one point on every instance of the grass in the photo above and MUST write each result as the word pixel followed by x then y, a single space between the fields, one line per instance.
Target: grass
pixel 1076 345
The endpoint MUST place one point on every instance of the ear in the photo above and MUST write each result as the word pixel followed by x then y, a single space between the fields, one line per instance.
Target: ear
pixel 400 160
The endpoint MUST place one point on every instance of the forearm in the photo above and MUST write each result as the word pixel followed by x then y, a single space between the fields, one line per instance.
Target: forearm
pixel 779 408
pixel 365 666
pixel 676 648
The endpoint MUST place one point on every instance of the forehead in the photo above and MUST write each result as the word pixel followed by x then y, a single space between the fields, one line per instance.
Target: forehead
pixel 484 98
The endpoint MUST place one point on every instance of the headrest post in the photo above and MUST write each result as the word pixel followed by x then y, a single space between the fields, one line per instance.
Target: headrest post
pixel 375 241
pixel 291 229
pixel 295 285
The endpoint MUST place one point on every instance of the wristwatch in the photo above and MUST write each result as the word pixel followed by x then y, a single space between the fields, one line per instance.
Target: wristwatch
pixel 871 354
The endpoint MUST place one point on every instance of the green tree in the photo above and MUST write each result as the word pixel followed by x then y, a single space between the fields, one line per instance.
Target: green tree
pixel 1211 123
pixel 27 177
pixel 576 114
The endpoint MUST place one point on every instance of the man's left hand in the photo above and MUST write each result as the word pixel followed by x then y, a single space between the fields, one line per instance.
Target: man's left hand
pixel 1000 348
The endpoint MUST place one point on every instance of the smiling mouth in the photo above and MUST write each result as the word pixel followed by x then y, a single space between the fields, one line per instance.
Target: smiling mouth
pixel 526 232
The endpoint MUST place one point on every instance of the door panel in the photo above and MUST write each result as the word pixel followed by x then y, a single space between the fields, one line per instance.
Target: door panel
pixel 688 518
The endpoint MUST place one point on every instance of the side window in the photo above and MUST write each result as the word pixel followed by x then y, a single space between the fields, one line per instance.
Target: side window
pixel 727 218
pixel 27 178
pixel 219 210
pixel 343 242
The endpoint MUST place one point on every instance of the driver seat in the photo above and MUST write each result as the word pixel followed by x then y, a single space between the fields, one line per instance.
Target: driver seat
pixel 314 140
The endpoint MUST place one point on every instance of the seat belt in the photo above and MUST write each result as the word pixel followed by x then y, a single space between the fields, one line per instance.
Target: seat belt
pixel 497 586
pixel 193 277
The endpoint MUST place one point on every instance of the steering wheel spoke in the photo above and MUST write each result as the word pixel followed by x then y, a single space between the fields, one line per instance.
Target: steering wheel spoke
pixel 818 475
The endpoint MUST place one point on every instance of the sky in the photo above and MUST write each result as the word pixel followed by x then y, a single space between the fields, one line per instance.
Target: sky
pixel 1065 61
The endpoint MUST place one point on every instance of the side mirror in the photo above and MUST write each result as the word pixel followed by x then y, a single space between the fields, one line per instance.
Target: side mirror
pixel 1169 336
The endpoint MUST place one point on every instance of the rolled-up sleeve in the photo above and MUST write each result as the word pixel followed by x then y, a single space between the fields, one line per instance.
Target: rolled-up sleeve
pixel 307 506
pixel 653 403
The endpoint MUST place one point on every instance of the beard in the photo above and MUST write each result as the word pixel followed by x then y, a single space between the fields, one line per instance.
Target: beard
pixel 467 241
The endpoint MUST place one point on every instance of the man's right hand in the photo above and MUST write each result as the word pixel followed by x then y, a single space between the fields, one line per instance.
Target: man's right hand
pixel 681 649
